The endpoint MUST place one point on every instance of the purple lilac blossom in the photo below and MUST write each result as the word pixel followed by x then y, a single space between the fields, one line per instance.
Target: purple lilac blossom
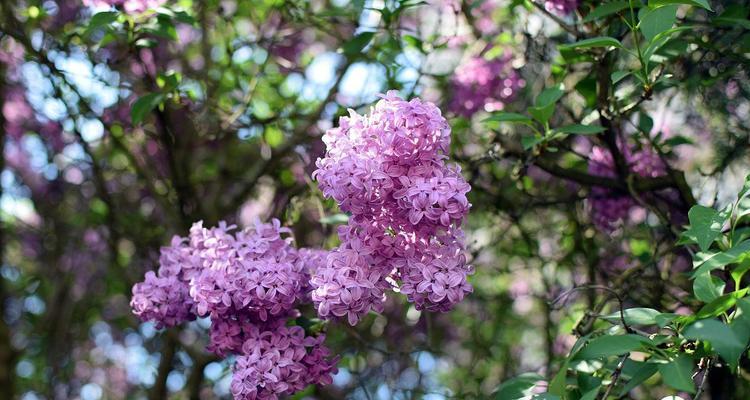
pixel 611 208
pixel 17 111
pixel 407 205
pixel 482 14
pixel 18 114
pixel 280 362
pixel 162 299
pixel 248 282
pixel 561 7
pixel 481 84
pixel 130 6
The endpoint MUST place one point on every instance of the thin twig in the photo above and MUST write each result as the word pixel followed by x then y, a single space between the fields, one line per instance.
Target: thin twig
pixel 701 386
pixel 569 28
pixel 615 376
pixel 570 291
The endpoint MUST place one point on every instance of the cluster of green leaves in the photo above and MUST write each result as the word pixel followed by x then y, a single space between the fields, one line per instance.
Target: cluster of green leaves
pixel 633 346
pixel 640 344
pixel 141 31
pixel 539 120
pixel 655 41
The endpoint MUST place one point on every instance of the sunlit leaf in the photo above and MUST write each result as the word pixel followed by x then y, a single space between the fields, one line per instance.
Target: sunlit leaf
pixel 611 345
pixel 657 20
pixel 602 41
pixel 634 316
pixel 707 288
pixel 517 388
pixel 720 336
pixel 705 225
pixel 698 3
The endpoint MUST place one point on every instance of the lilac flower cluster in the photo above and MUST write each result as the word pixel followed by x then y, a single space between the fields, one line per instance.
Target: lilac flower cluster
pixel 608 207
pixel 249 283
pixel 561 7
pixel 279 362
pixel 482 84
pixel 388 170
pixel 130 6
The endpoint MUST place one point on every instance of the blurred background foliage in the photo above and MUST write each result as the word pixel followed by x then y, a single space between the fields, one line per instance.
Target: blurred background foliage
pixel 122 128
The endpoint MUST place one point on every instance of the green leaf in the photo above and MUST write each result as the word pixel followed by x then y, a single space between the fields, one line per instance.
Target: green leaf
pixel 638 372
pixel 720 305
pixel 357 43
pixel 184 17
pixel 657 20
pixel 740 324
pixel 677 373
pixel 542 114
pixel 413 41
pixel 601 41
pixel 587 87
pixel 711 261
pixel 661 39
pixel 591 394
pixel 634 316
pixel 518 387
pixel 617 76
pixel 720 336
pixel 586 382
pixel 731 22
pixel 529 141
pixel 101 19
pixel 732 16
pixel 145 105
pixel 678 140
pixel 549 96
pixel 739 271
pixel 699 3
pixel 579 129
pixel 558 383
pixel 665 318
pixel 611 345
pixel 708 288
pixel 605 10
pixel 273 136
pixel 745 188
pixel 165 27
pixel 502 116
pixel 705 225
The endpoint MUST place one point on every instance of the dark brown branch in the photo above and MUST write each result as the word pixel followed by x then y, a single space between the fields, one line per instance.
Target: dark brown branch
pixel 583 178
pixel 7 353
pixel 562 297
pixel 195 379
pixel 169 348
pixel 702 385
pixel 263 167
pixel 615 376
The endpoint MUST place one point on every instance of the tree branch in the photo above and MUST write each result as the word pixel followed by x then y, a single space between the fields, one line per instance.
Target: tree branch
pixel 168 351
